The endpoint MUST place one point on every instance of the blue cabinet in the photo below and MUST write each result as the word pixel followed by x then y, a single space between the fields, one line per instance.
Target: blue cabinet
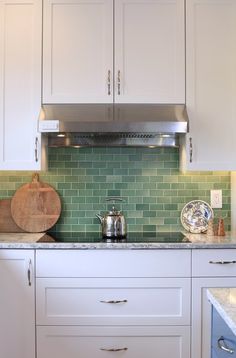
pixel 223 342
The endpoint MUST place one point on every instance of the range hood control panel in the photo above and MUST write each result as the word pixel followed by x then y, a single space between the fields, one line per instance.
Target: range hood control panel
pixel 45 126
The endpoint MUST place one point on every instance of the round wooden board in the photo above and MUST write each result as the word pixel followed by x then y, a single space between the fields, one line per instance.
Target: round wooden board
pixel 36 206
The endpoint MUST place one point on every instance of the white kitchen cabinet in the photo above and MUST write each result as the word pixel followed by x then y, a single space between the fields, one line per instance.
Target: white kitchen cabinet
pixel 89 301
pixel 142 61
pixel 20 84
pixel 210 85
pixel 133 301
pixel 103 342
pixel 17 309
pixel 78 51
pixel 210 268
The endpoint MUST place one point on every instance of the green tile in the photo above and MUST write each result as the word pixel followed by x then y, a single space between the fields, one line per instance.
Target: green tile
pixel 142 207
pixel 148 179
pixel 170 207
pixel 113 193
pixel 149 200
pixel 149 228
pixel 149 214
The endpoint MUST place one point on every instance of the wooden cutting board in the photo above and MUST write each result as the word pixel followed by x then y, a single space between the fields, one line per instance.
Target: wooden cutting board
pixel 36 206
pixel 7 224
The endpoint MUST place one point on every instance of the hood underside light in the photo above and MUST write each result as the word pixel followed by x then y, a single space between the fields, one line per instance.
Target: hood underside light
pixel 78 140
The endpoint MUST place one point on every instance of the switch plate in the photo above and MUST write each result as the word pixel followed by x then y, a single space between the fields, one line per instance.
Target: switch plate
pixel 216 199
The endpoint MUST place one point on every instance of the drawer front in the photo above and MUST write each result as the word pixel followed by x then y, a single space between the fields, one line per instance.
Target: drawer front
pixel 220 329
pixel 88 301
pixel 216 262
pixel 113 263
pixel 74 342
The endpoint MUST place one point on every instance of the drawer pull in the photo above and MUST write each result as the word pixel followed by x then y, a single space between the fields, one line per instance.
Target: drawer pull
pixel 112 301
pixel 222 345
pixel 113 349
pixel 222 262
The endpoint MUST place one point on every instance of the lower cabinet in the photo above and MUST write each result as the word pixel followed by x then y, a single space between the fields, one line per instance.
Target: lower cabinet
pixel 102 342
pixel 210 268
pixel 223 341
pixel 108 309
pixel 17 304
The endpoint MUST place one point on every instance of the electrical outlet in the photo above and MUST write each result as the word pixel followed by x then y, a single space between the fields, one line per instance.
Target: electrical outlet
pixel 216 199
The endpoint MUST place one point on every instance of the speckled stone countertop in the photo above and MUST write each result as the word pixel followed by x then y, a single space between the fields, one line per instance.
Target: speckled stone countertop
pixel 198 241
pixel 224 301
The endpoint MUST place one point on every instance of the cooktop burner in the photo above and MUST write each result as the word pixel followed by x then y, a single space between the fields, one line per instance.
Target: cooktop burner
pixel 91 237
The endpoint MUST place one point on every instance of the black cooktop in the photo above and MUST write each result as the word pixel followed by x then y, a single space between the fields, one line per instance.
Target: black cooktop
pixel 91 237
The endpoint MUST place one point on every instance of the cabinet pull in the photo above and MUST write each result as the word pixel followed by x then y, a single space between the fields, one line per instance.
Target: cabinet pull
pixel 36 149
pixel 222 262
pixel 29 272
pixel 109 83
pixel 223 346
pixel 118 82
pixel 114 349
pixel 112 301
pixel 190 149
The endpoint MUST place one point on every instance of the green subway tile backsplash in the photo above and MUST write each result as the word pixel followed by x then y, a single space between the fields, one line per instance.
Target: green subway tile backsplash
pixel 148 179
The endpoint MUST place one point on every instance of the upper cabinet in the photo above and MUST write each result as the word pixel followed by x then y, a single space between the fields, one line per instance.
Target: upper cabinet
pixel 78 51
pixel 101 51
pixel 210 85
pixel 20 84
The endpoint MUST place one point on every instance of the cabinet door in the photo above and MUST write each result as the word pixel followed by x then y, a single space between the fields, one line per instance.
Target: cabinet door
pixel 17 324
pixel 149 51
pixel 20 83
pixel 100 342
pixel 201 313
pixel 211 84
pixel 221 329
pixel 78 51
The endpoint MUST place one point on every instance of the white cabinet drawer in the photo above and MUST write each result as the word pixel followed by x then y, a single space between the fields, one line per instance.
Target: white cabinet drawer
pixel 89 342
pixel 214 262
pixel 89 301
pixel 113 263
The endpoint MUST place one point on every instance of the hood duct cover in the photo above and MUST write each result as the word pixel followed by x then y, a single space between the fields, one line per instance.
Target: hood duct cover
pixel 79 125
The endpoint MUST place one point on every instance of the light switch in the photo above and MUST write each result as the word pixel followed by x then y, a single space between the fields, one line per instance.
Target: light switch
pixel 216 199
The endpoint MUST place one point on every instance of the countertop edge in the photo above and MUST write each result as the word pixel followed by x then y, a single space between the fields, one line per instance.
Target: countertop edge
pixel 221 308
pixel 198 241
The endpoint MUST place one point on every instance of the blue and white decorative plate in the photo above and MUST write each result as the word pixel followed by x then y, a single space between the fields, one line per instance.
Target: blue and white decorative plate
pixel 195 216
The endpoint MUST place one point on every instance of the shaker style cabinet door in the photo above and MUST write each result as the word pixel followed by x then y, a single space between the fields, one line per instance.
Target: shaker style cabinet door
pixel 20 83
pixel 17 308
pixel 210 85
pixel 149 51
pixel 143 60
pixel 78 51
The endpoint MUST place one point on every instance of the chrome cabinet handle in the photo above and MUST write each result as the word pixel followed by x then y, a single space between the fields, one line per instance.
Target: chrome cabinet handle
pixel 109 83
pixel 190 149
pixel 223 346
pixel 29 273
pixel 118 82
pixel 222 262
pixel 114 349
pixel 113 301
pixel 36 149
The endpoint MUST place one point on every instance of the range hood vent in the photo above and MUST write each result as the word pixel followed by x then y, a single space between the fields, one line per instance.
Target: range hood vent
pixel 96 125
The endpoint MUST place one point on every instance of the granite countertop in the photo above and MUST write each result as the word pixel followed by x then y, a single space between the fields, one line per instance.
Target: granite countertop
pixel 224 301
pixel 198 241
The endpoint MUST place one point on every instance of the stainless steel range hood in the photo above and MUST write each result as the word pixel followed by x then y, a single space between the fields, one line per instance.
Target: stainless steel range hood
pixel 80 125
